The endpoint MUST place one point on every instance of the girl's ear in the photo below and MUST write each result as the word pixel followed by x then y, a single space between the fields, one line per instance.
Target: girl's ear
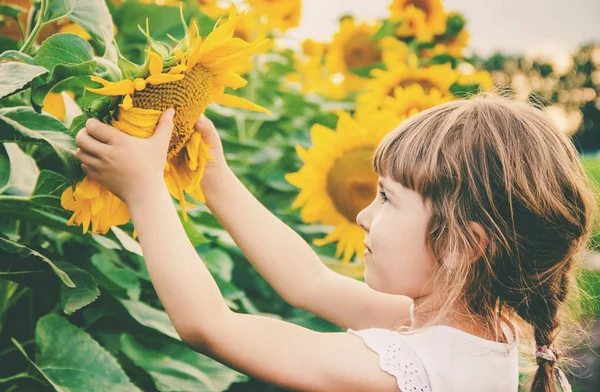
pixel 482 240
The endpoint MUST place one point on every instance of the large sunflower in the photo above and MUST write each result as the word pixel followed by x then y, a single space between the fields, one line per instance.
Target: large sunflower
pixel 337 180
pixel 199 72
pixel 433 13
pixel 403 102
pixel 432 77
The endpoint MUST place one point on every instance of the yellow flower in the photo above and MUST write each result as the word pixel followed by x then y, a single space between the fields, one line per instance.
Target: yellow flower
pixel 482 78
pixel 414 24
pixel 453 46
pixel 94 204
pixel 54 104
pixel 211 9
pixel 200 73
pixel 439 77
pixel 352 49
pixel 433 16
pixel 404 102
pixel 279 14
pixel 337 180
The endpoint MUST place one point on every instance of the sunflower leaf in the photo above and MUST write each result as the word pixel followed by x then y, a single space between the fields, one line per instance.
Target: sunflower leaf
pixel 19 260
pixel 194 371
pixel 66 49
pixel 71 360
pixel 16 76
pixel 91 15
pixel 24 125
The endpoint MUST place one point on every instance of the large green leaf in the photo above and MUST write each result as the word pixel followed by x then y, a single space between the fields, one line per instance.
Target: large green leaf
pixel 24 125
pixel 75 298
pixel 65 49
pixel 71 360
pixel 92 15
pixel 178 368
pixel 117 280
pixel 15 76
pixel 19 260
pixel 150 317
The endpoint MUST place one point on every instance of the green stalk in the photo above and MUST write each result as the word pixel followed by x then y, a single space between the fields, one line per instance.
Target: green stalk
pixel 36 30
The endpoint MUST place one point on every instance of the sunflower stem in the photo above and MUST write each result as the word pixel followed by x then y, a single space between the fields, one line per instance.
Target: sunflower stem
pixel 36 30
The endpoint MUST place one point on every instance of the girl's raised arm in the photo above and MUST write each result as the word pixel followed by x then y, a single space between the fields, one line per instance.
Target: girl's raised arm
pixel 285 260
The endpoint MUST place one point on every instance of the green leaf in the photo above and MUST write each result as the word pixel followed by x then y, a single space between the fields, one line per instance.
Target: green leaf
pixel 218 263
pixel 50 183
pixel 18 260
pixel 175 367
pixel 10 10
pixel 127 241
pixel 35 210
pixel 4 167
pixel 15 76
pixel 150 317
pixel 120 280
pixel 71 360
pixel 75 298
pixel 15 55
pixel 23 172
pixel 388 28
pixel 91 15
pixel 25 125
pixel 65 49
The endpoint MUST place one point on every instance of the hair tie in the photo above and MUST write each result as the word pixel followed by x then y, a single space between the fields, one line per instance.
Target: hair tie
pixel 547 354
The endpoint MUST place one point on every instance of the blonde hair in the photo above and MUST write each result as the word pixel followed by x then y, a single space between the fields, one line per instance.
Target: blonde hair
pixel 502 164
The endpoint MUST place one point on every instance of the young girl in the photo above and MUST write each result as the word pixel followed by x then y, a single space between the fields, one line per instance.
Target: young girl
pixel 482 209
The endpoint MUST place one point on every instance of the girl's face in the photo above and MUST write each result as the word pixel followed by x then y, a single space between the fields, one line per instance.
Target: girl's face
pixel 395 224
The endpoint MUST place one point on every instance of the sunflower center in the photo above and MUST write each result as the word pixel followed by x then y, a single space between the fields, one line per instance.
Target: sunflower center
pixel 361 51
pixel 423 5
pixel 425 83
pixel 351 183
pixel 189 96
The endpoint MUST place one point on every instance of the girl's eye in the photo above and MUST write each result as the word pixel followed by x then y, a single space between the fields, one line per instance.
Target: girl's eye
pixel 383 197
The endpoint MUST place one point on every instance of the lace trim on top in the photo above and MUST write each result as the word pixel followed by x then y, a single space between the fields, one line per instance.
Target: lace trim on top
pixel 397 358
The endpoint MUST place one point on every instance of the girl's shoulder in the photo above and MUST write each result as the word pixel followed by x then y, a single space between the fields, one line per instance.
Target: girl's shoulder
pixel 440 354
pixel 396 357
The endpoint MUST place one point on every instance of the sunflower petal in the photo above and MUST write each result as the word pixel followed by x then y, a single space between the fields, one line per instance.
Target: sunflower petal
pixel 237 102
pixel 122 87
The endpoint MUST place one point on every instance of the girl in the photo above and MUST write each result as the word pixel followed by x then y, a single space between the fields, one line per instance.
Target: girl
pixel 482 209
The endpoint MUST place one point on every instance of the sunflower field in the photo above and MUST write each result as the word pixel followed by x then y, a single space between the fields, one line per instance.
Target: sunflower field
pixel 77 308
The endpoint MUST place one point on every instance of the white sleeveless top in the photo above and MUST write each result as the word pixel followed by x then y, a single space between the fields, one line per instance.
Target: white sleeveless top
pixel 445 359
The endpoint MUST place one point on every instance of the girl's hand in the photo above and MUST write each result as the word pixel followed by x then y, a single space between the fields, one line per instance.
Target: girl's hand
pixel 217 167
pixel 128 166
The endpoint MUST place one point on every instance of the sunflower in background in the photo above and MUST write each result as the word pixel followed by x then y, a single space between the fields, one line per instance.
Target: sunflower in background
pixel 337 180
pixel 277 14
pixel 420 18
pixel 199 71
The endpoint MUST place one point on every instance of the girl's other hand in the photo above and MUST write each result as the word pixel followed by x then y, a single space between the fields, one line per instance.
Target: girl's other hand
pixel 217 167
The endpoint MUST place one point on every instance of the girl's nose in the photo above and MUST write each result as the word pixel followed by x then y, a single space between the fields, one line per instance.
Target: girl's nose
pixel 361 219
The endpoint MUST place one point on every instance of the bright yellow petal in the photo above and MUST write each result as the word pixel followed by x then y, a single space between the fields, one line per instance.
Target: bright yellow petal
pixel 163 78
pixel 156 63
pixel 122 87
pixel 237 102
pixel 230 79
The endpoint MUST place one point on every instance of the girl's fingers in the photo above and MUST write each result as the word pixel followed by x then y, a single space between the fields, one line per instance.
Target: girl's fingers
pixel 100 131
pixel 90 144
pixel 87 159
pixel 90 172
